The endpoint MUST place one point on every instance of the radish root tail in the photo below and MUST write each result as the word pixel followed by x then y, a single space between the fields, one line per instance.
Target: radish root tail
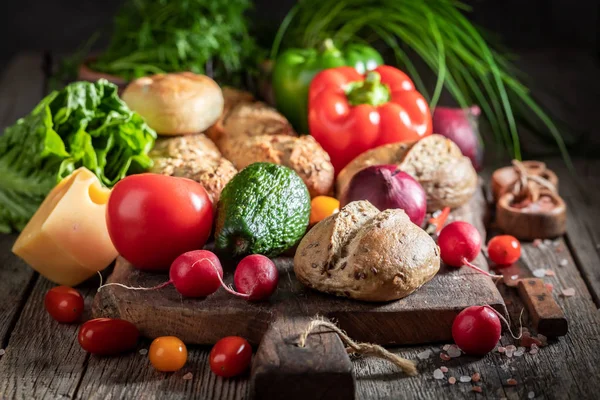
pixel 228 288
pixel 508 323
pixel 476 268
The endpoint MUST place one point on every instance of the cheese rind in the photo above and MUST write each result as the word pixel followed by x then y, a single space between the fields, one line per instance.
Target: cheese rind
pixel 67 239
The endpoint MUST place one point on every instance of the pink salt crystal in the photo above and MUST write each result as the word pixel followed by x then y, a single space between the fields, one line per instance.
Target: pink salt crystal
pixel 438 374
pixel 444 369
pixel 563 262
pixel 568 292
pixel 549 272
pixel 446 347
pixel 476 377
pixel 477 389
pixel 188 376
pixel 465 379
pixel 534 349
pixel 444 356
pixel 452 380
pixel 511 347
pixel 511 382
pixel 539 273
pixel 549 287
pixel 537 242
pixel 543 340
pixel 143 352
pixel 514 277
pixel 454 351
pixel 519 353
pixel 501 349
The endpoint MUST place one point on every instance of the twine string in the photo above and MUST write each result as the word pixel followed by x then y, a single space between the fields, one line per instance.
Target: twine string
pixel 407 366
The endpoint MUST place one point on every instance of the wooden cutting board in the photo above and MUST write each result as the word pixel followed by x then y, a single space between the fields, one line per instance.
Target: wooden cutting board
pixel 322 367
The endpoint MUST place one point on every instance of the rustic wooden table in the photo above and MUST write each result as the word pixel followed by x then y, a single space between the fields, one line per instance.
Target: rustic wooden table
pixel 41 359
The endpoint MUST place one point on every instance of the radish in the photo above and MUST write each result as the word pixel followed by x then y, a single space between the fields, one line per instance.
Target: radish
pixel 460 243
pixel 476 329
pixel 197 273
pixel 255 278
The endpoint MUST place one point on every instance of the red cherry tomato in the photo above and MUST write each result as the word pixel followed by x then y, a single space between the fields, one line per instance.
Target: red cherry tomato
pixel 230 356
pixel 64 304
pixel 152 219
pixel 476 330
pixel 504 249
pixel 106 336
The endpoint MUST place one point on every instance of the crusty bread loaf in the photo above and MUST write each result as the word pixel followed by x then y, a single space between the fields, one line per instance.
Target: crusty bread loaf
pixel 176 104
pixel 448 177
pixel 366 254
pixel 195 157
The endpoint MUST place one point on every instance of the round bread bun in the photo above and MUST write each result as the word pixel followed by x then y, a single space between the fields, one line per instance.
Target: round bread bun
pixel 176 104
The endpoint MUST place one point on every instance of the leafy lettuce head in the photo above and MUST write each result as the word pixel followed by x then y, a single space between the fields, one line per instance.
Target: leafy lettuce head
pixel 85 124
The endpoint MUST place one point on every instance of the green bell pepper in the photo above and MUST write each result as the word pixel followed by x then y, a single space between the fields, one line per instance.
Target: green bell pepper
pixel 295 68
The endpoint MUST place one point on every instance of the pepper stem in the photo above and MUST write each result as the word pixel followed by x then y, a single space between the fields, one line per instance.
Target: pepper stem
pixel 370 91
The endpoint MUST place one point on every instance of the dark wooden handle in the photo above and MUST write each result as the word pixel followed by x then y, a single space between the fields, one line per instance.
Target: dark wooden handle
pixel 283 370
pixel 547 317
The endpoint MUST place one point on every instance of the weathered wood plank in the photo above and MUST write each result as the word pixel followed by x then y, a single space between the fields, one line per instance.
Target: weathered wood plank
pixel 131 376
pixel 15 280
pixel 21 87
pixel 43 358
pixel 581 193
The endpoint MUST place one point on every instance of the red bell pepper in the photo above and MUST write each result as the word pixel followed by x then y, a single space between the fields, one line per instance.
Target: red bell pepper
pixel 349 113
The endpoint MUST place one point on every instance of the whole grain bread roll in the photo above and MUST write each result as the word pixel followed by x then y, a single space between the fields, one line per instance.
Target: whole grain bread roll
pixel 448 177
pixel 302 154
pixel 194 157
pixel 254 132
pixel 176 104
pixel 366 254
pixel 231 97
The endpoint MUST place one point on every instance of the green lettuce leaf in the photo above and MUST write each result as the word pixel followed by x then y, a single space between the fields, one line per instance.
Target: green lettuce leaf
pixel 85 124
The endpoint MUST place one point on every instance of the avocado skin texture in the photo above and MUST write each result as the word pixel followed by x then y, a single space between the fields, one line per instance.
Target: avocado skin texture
pixel 264 209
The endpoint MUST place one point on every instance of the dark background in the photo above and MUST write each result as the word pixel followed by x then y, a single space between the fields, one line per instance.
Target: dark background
pixel 61 25
pixel 557 41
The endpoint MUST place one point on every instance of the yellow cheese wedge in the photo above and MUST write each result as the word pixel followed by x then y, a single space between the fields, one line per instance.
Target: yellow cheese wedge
pixel 67 240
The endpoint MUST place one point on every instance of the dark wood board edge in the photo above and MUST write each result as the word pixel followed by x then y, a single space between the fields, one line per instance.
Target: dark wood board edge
pixel 283 370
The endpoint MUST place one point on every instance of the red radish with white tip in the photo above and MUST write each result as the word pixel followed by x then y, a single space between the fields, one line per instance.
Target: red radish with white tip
pixel 476 330
pixel 196 273
pixel 255 278
pixel 460 243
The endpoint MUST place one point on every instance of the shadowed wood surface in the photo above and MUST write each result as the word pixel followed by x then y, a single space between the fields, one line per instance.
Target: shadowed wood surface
pixel 43 359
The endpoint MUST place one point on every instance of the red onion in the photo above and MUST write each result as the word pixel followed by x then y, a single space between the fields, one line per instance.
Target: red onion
pixel 385 187
pixel 460 126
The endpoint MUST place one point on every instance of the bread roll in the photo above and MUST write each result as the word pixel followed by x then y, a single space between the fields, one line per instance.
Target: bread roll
pixel 176 104
pixel 448 177
pixel 302 154
pixel 194 157
pixel 366 254
pixel 254 132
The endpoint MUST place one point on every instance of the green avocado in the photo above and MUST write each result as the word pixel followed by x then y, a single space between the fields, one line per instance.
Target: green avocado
pixel 264 209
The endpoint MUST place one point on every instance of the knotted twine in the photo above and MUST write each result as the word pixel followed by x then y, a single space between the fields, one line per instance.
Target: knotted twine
pixel 522 188
pixel 368 349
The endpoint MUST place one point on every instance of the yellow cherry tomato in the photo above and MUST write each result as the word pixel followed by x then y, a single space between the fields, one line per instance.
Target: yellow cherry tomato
pixel 322 207
pixel 167 354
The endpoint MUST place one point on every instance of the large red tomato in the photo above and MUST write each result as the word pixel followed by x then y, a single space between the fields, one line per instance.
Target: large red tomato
pixel 152 219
